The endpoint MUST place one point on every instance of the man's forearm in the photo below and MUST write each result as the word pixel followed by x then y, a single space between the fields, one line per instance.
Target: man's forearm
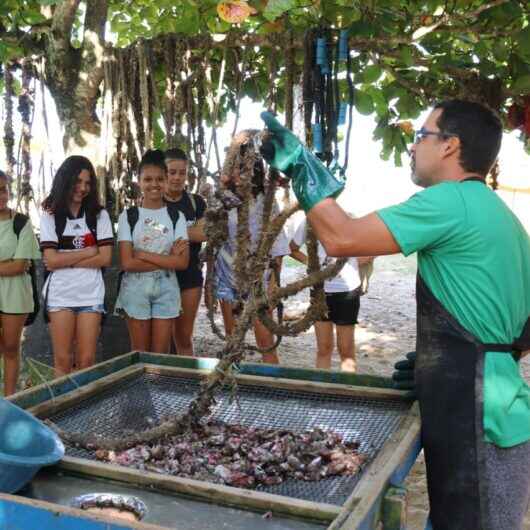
pixel 343 236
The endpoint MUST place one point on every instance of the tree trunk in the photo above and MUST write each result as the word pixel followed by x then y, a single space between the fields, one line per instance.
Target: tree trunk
pixel 74 76
pixel 82 137
pixel 82 130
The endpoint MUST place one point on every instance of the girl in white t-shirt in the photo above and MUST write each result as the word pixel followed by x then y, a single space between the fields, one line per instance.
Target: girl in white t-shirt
pixel 76 239
pixel 150 253
pixel 343 293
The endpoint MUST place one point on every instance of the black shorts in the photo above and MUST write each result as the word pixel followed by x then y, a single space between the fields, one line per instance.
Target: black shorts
pixel 190 278
pixel 343 308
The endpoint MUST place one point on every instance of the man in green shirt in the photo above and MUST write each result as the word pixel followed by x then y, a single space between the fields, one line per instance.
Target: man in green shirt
pixel 473 296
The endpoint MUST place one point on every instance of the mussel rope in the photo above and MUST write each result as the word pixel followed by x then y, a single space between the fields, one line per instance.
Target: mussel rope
pixel 216 102
pixel 351 103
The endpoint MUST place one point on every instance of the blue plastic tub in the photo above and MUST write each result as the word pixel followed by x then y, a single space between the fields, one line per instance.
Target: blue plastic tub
pixel 26 444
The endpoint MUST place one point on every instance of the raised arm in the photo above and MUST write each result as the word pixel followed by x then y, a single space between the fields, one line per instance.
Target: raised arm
pixel 343 236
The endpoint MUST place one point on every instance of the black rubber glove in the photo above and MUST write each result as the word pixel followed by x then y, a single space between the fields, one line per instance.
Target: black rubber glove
pixel 403 377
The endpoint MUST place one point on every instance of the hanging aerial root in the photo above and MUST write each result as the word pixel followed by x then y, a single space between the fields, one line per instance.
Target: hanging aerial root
pixel 9 133
pixel 26 108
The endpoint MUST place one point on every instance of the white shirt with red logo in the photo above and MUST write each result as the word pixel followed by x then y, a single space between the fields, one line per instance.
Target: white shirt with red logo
pixel 75 286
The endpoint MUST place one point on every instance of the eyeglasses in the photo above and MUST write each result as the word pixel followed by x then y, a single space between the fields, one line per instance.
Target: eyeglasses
pixel 423 133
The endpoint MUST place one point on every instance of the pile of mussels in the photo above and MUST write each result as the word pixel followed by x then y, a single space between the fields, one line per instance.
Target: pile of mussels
pixel 244 457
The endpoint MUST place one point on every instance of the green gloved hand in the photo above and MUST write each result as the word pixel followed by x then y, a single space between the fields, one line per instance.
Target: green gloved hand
pixel 312 181
pixel 403 377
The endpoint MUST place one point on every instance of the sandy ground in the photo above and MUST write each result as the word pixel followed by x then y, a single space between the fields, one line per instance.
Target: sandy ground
pixel 386 331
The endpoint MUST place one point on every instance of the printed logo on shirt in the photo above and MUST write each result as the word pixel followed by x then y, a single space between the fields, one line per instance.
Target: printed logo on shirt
pixel 78 242
pixel 155 225
pixel 89 240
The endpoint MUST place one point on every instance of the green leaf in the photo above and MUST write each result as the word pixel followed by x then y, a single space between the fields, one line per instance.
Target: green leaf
pixel 362 28
pixel 380 102
pixel 397 157
pixel 216 25
pixel 522 84
pixel 47 2
pixel 189 21
pixel 9 51
pixel 523 42
pixel 348 16
pixel 363 102
pixel 407 107
pixel 276 8
pixel 371 73
pixel 405 54
pixel 33 17
pixel 500 50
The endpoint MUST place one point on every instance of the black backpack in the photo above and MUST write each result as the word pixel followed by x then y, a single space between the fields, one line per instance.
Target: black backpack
pixel 133 213
pixel 19 222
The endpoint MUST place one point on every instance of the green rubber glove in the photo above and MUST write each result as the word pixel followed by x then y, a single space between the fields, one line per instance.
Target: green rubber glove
pixel 312 181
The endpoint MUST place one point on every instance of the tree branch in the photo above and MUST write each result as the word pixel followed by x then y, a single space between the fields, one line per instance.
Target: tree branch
pixel 93 47
pixel 405 83
pixel 444 22
pixel 62 67
pixel 63 20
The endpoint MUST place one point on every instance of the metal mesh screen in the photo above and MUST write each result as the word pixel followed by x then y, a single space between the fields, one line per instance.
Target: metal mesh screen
pixel 142 402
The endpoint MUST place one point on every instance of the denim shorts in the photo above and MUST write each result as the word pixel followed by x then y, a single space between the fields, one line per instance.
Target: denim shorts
pixel 147 295
pixel 97 308
pixel 225 290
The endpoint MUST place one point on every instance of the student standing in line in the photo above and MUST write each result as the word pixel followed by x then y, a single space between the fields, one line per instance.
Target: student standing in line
pixel 153 245
pixel 16 293
pixel 343 293
pixel 190 280
pixel 76 239
pixel 226 289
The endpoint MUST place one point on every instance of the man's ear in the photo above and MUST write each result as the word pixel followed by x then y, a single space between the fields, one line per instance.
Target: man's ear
pixel 451 146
